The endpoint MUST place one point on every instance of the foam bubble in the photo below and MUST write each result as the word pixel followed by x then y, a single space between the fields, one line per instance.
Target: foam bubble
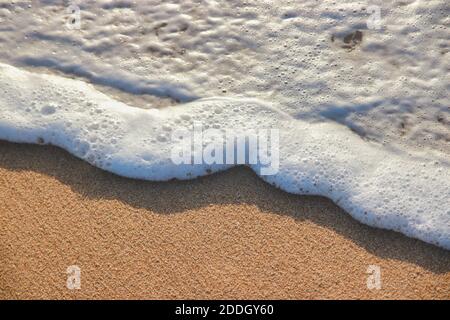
pixel 409 193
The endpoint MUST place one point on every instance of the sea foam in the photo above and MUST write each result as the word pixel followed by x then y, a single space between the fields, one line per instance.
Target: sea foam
pixel 406 192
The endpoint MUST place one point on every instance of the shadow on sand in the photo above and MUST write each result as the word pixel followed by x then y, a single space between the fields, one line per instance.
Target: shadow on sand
pixel 235 186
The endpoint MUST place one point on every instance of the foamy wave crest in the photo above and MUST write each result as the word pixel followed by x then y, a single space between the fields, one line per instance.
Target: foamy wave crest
pixel 382 188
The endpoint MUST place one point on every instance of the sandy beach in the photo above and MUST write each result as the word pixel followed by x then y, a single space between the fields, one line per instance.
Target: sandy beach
pixel 229 236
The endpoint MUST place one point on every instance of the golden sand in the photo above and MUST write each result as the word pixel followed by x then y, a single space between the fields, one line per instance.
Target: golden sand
pixel 229 235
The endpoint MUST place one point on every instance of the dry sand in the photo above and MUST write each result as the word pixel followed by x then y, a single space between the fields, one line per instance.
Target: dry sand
pixel 228 235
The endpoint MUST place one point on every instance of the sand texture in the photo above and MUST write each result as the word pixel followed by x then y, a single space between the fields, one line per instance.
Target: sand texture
pixel 228 235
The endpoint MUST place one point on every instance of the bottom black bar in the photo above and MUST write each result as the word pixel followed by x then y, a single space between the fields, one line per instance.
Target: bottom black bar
pixel 223 309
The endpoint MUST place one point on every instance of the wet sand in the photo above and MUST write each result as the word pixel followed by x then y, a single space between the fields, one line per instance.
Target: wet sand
pixel 229 236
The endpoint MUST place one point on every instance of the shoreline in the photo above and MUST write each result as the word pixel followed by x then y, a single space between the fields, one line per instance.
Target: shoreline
pixel 201 238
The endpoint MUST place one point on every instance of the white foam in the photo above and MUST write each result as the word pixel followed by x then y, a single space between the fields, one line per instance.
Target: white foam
pixel 404 192
pixel 391 87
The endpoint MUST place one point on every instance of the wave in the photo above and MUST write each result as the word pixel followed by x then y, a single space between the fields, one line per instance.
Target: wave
pixel 377 186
